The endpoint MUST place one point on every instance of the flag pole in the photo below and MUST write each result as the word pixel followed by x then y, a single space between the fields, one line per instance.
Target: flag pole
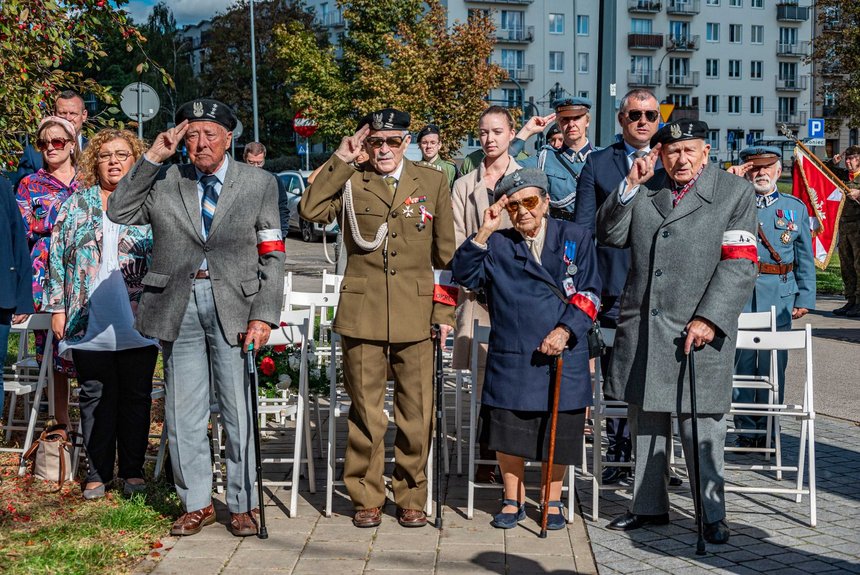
pixel 790 135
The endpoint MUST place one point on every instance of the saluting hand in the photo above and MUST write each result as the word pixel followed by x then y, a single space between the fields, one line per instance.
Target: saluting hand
pixel 535 125
pixel 165 143
pixel 350 146
pixel 643 168
pixel 836 159
pixel 492 220
pixel 741 169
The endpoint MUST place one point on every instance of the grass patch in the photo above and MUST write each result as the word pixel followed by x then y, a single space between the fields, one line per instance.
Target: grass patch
pixel 829 280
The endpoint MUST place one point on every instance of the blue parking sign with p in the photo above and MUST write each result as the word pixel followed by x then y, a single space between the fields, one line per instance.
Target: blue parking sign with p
pixel 816 127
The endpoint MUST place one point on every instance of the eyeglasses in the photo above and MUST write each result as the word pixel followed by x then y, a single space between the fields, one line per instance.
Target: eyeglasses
pixel 56 143
pixel 120 155
pixel 528 203
pixel 650 115
pixel 392 141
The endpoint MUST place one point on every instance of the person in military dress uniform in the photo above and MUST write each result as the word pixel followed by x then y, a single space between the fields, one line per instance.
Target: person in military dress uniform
pixel 428 141
pixel 786 276
pixel 564 165
pixel 398 226
pixel 849 229
pixel 554 137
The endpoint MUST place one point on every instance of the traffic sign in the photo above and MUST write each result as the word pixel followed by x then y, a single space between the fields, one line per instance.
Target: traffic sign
pixel 666 111
pixel 730 138
pixel 814 142
pixel 237 131
pixel 301 149
pixel 139 97
pixel 304 126
pixel 815 128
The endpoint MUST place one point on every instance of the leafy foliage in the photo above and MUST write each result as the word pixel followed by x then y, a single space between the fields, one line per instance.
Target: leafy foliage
pixel 836 52
pixel 397 53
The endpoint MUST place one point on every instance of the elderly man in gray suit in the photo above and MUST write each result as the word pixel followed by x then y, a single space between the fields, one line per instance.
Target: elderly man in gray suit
pixel 217 271
pixel 691 232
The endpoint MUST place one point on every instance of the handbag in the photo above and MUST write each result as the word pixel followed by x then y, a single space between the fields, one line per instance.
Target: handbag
pixel 51 456
pixel 596 345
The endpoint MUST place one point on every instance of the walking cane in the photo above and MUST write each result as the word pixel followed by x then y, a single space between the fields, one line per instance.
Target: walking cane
pixel 438 383
pixel 262 533
pixel 555 374
pixel 697 492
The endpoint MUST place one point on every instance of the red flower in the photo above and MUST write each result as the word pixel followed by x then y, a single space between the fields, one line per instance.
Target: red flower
pixel 267 366
pixel 279 348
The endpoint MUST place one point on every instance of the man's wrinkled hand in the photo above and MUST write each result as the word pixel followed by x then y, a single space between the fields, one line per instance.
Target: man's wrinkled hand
pixel 700 332
pixel 444 331
pixel 258 334
pixel 555 342
pixel 165 143
pixel 350 147
pixel 20 318
pixel 741 169
pixel 798 312
pixel 643 168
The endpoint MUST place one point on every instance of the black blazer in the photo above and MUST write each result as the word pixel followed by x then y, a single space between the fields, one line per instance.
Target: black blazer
pixel 16 271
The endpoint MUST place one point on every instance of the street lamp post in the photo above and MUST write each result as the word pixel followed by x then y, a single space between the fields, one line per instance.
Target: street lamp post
pixel 254 76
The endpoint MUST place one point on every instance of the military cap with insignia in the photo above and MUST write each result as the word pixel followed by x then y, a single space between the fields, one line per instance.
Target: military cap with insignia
pixel 761 155
pixel 426 130
pixel 575 106
pixel 388 119
pixel 553 130
pixel 680 131
pixel 522 178
pixel 207 110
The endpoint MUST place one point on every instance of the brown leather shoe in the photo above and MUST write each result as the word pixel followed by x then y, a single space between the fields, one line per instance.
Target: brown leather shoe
pixel 243 524
pixel 370 517
pixel 411 517
pixel 193 522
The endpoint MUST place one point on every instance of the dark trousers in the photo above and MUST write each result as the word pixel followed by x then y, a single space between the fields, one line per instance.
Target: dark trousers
pixel 115 400
pixel 617 430
pixel 5 327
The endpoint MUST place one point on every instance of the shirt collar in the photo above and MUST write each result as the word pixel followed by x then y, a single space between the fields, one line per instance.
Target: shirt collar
pixel 220 173
pixel 579 155
pixel 765 200
pixel 396 173
pixel 630 150
pixel 538 236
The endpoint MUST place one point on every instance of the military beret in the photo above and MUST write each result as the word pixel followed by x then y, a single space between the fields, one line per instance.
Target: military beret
pixel 553 130
pixel 428 129
pixel 389 119
pixel 522 178
pixel 680 131
pixel 571 106
pixel 207 110
pixel 761 155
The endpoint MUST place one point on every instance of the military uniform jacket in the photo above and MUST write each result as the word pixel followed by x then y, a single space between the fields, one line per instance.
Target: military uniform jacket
pixel 785 219
pixel 680 268
pixel 247 281
pixel 387 293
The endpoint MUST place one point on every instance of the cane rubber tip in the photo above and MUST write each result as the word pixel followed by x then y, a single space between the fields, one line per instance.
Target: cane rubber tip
pixel 542 534
pixel 700 548
pixel 263 534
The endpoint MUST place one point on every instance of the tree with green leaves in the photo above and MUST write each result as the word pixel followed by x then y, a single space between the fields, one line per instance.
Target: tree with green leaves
pixel 399 53
pixel 836 54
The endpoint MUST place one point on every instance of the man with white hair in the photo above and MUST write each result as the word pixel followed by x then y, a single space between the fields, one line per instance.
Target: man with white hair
pixel 786 276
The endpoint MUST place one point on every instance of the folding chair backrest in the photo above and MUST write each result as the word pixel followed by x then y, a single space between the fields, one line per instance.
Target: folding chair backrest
pixel 765 340
pixel 36 321
pixel 331 281
pixel 758 320
pixel 294 332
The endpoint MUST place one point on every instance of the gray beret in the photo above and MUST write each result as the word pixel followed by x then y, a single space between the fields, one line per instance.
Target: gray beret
pixel 523 178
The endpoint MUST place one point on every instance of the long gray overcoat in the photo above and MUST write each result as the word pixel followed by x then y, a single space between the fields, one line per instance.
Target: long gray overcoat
pixel 678 271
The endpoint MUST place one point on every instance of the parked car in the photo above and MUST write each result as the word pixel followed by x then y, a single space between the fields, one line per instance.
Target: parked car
pixel 295 183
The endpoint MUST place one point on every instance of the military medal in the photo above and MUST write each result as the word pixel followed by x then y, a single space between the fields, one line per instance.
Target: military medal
pixel 425 215
pixel 407 212
pixel 569 256
pixel 785 237
pixel 780 222
pixel 572 269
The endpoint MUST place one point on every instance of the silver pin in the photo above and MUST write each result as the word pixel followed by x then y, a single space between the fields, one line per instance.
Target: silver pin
pixel 572 269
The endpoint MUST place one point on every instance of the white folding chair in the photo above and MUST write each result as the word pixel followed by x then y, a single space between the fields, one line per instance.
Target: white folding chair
pixel 481 335
pixel 805 412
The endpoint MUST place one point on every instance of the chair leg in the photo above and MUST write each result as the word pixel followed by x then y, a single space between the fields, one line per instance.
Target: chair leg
pixel 309 458
pixel 813 519
pixel 162 447
pixel 801 453
pixel 331 445
pixel 458 419
pixel 470 502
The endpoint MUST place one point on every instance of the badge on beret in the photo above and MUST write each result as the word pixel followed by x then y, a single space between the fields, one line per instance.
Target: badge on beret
pixel 377 122
pixel 675 131
pixel 197 109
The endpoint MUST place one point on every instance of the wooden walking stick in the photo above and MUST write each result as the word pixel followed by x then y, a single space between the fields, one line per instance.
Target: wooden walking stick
pixel 262 533
pixel 555 374
pixel 697 491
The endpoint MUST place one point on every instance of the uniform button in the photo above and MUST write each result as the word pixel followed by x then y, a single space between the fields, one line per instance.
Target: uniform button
pixel 207 249
pixel 655 311
pixel 393 234
pixel 394 272
pixel 367 209
pixel 665 233
pixel 393 254
pixel 393 214
pixel 658 273
pixel 191 276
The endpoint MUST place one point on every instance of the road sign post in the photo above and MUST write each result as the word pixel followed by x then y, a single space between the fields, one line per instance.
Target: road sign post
pixel 305 127
pixel 140 102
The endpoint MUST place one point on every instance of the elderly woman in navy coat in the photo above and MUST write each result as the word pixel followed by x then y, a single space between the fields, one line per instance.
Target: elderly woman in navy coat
pixel 541 281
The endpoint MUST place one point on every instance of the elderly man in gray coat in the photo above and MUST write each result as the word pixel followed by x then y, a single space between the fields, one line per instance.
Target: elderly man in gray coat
pixel 217 271
pixel 691 231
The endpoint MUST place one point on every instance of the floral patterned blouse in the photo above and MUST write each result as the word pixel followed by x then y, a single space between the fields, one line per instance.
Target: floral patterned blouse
pixel 76 256
pixel 39 197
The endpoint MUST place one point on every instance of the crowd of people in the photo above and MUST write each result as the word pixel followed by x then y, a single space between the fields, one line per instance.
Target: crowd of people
pixel 132 254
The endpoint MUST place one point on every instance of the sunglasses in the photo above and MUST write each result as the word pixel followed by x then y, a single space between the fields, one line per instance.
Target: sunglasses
pixel 392 141
pixel 528 203
pixel 56 143
pixel 650 115
pixel 120 155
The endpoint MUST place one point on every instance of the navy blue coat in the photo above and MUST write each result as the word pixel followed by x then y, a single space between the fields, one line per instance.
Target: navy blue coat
pixel 30 163
pixel 16 273
pixel 524 309
pixel 603 171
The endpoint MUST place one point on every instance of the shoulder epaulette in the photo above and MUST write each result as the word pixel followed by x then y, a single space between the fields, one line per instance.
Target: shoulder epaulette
pixel 424 164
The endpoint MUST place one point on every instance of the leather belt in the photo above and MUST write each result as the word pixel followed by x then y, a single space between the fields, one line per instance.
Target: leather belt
pixel 775 269
pixel 202 275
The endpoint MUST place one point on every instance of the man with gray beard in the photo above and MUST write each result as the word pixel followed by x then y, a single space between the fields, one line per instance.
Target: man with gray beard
pixel 786 277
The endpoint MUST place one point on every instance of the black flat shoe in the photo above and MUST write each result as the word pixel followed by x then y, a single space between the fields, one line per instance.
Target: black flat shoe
pixel 717 532
pixel 675 481
pixel 629 521
pixel 613 475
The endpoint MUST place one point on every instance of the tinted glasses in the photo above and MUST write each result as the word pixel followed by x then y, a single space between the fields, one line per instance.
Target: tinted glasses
pixel 528 203
pixel 55 143
pixel 650 115
pixel 376 142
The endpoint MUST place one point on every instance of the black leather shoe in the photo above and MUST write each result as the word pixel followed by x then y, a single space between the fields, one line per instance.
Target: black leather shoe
pixel 629 521
pixel 675 481
pixel 853 311
pixel 717 532
pixel 844 309
pixel 613 475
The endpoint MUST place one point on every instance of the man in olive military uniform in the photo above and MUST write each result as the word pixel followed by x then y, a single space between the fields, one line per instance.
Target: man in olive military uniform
pixel 428 141
pixel 398 226
pixel 786 276
pixel 849 230
pixel 564 165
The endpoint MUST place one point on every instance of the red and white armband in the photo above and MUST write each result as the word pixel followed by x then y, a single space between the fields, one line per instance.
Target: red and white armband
pixel 587 302
pixel 739 245
pixel 269 241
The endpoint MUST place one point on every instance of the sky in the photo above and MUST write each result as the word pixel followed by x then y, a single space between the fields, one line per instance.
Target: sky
pixel 185 11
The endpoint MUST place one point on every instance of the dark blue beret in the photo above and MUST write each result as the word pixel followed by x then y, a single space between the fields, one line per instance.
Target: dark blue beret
pixel 207 110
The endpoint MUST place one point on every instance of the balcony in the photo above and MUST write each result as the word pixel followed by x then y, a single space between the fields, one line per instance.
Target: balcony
pixel 676 43
pixel 683 7
pixel 795 50
pixel 644 6
pixel 500 1
pixel 643 78
pixel 791 12
pixel 331 20
pixel 526 74
pixel 682 113
pixel 689 80
pixel 789 119
pixel 516 35
pixel 644 41
pixel 791 83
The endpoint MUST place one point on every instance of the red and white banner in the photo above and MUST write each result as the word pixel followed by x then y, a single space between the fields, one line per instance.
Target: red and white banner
pixel 823 193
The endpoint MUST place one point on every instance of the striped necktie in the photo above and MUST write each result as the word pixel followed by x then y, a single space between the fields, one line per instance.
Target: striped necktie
pixel 209 201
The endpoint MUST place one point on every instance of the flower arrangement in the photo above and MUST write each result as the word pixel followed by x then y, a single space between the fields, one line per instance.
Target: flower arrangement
pixel 278 369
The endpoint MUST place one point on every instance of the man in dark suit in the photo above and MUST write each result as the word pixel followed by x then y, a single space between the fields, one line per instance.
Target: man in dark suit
pixel 69 105
pixel 604 170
